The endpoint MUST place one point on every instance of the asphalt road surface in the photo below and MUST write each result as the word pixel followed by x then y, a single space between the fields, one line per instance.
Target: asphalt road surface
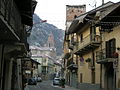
pixel 45 85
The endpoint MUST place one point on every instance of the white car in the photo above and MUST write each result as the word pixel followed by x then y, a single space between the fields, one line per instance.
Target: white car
pixel 39 79
pixel 56 81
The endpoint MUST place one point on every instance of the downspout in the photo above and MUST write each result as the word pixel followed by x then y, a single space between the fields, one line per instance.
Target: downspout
pixel 2 66
pixel 93 67
pixel 93 33
pixel 101 66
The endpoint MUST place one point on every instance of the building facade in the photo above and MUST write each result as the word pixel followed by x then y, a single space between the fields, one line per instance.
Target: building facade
pixel 91 50
pixel 72 12
pixel 13 40
pixel 48 65
pixel 46 56
pixel 108 55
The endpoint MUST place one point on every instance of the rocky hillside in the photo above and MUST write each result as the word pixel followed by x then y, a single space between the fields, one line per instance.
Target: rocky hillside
pixel 41 31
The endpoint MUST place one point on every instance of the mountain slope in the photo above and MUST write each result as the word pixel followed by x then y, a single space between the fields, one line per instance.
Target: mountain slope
pixel 41 31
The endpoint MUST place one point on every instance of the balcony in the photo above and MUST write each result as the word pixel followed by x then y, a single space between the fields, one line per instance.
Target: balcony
pixel 10 20
pixel 71 65
pixel 103 57
pixel 67 37
pixel 44 64
pixel 72 43
pixel 87 44
pixel 13 14
pixel 67 55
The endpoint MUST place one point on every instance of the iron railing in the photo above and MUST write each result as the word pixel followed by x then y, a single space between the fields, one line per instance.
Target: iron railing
pixel 95 39
pixel 70 61
pixel 103 56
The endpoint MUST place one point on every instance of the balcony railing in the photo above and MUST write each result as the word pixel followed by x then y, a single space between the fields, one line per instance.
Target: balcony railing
pixel 71 65
pixel 67 55
pixel 44 64
pixel 70 45
pixel 87 44
pixel 103 57
pixel 11 16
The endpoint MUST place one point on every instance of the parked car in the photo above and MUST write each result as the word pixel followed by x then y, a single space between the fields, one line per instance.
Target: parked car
pixel 35 78
pixel 56 81
pixel 39 79
pixel 32 81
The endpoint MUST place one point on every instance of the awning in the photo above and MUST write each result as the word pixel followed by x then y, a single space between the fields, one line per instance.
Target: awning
pixel 110 10
pixel 110 17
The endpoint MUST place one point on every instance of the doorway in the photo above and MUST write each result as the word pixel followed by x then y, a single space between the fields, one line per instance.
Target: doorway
pixel 109 76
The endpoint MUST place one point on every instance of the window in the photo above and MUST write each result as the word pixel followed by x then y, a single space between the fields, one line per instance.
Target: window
pixel 44 60
pixel 75 16
pixel 110 50
pixel 72 10
pixel 81 76
pixel 92 32
pixel 81 37
pixel 77 58
pixel 93 76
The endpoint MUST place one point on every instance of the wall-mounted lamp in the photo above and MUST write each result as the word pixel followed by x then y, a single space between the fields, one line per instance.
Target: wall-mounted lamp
pixel 118 48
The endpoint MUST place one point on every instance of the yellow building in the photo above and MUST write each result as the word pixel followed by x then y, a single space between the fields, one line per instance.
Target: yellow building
pixel 82 45
pixel 85 60
pixel 108 55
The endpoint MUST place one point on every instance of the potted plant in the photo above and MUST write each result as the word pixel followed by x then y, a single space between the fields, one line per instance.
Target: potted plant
pixel 88 60
pixel 115 55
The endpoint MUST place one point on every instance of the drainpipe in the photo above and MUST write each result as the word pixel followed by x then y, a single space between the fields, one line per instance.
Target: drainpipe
pixel 101 66
pixel 2 65
pixel 93 67
pixel 114 80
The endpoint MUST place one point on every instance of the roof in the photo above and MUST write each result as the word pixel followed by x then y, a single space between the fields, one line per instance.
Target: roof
pixel 81 20
pixel 76 5
pixel 41 48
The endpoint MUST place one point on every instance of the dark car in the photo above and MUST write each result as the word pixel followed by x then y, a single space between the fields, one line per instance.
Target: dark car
pixel 56 81
pixel 32 81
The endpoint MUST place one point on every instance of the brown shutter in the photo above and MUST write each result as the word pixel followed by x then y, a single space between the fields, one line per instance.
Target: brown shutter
pixel 107 49
pixel 112 47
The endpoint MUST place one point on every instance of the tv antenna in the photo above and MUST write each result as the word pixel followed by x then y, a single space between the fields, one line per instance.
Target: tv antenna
pixel 94 2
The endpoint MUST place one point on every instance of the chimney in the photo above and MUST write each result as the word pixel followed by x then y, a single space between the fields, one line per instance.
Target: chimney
pixel 102 2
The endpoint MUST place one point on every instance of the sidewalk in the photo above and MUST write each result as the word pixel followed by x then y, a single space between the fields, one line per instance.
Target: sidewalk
pixel 69 88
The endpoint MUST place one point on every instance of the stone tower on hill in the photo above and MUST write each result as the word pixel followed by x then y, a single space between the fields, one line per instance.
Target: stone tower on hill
pixel 50 41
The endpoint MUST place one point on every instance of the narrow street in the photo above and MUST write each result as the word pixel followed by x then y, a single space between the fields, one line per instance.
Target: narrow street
pixel 46 85
pixel 60 45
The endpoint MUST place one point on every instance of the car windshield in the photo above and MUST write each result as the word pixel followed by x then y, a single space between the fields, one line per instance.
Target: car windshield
pixel 56 79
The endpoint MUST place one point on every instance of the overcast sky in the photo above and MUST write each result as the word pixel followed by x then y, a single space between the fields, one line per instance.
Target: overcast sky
pixel 54 11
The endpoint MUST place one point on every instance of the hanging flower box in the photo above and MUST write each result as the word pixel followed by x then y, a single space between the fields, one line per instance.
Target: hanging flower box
pixel 115 55
pixel 88 60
